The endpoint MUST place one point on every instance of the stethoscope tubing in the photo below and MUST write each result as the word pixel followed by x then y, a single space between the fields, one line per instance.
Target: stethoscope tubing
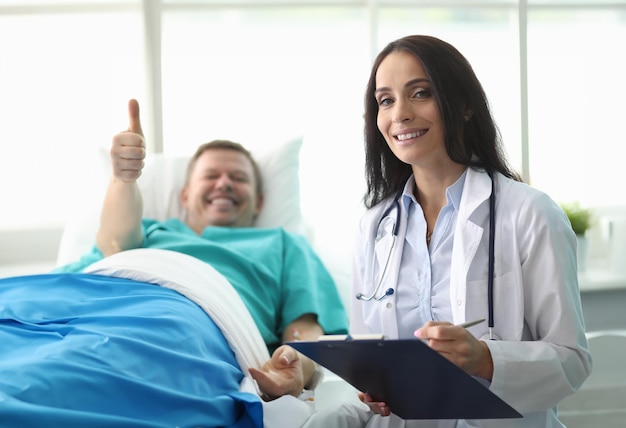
pixel 492 262
pixel 394 235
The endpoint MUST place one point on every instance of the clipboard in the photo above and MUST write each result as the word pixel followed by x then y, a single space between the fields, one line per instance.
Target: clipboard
pixel 413 379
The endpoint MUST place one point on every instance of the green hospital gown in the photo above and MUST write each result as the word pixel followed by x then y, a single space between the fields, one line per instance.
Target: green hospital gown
pixel 277 274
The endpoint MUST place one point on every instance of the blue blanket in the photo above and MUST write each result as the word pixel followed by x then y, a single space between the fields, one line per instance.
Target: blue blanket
pixel 80 350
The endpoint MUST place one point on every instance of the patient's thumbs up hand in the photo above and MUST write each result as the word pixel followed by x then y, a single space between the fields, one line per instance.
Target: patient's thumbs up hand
pixel 128 150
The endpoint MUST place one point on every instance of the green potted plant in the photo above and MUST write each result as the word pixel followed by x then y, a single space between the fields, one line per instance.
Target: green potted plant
pixel 580 218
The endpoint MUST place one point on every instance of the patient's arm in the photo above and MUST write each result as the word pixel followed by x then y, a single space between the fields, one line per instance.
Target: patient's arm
pixel 120 220
pixel 288 371
pixel 304 328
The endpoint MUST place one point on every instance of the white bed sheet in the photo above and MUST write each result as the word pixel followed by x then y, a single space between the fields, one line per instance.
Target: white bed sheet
pixel 209 289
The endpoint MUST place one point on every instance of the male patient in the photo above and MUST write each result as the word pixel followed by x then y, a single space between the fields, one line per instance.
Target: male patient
pixel 280 279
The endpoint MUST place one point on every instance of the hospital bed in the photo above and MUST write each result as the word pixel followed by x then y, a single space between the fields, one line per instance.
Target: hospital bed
pixel 156 301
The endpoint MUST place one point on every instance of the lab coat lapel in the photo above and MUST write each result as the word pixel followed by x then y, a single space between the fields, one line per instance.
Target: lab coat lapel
pixel 467 236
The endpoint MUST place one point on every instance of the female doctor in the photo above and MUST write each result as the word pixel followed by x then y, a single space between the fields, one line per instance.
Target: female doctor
pixel 439 195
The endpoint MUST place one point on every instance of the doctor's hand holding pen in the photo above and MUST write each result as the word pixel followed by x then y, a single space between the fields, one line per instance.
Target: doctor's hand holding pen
pixel 459 346
pixel 455 343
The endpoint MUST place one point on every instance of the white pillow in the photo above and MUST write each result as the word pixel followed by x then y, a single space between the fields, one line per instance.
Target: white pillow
pixel 160 184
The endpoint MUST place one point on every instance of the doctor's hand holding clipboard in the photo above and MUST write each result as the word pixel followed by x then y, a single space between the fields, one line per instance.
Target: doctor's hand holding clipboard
pixel 453 342
pixel 451 233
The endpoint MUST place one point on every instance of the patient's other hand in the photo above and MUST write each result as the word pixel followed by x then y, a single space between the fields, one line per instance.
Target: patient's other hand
pixel 128 149
pixel 280 375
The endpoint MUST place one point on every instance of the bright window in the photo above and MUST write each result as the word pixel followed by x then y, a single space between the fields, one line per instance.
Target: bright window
pixel 259 73
pixel 64 82
pixel 576 104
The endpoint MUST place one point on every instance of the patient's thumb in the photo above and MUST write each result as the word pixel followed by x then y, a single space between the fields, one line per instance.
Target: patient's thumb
pixel 134 124
pixel 286 355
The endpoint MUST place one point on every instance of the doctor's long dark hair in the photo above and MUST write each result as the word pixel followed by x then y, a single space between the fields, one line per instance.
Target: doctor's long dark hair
pixel 475 142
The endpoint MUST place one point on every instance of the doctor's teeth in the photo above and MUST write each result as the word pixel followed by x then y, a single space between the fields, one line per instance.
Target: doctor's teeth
pixel 403 137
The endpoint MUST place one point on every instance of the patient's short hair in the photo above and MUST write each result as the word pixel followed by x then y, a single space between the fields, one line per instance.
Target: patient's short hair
pixel 228 145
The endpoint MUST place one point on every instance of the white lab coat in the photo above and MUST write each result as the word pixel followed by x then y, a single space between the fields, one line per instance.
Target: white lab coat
pixel 542 356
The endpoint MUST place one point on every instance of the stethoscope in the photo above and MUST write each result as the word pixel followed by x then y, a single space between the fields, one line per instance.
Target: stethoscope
pixel 395 205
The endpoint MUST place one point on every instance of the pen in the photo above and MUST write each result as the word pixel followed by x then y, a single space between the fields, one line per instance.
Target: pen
pixel 464 325
pixel 471 323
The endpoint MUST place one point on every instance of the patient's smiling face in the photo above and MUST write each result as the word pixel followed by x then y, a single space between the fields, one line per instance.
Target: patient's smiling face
pixel 221 191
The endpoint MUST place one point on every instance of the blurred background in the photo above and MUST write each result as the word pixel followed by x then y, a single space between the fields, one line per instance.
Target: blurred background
pixel 262 72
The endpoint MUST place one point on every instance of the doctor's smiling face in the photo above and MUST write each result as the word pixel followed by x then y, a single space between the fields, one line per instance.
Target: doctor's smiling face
pixel 408 114
pixel 427 115
pixel 221 190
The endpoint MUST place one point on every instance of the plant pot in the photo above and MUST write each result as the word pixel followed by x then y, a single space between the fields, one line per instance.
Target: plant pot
pixel 582 252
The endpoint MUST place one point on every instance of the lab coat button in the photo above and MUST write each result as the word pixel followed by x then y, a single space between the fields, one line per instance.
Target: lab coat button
pixel 389 305
pixel 459 302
